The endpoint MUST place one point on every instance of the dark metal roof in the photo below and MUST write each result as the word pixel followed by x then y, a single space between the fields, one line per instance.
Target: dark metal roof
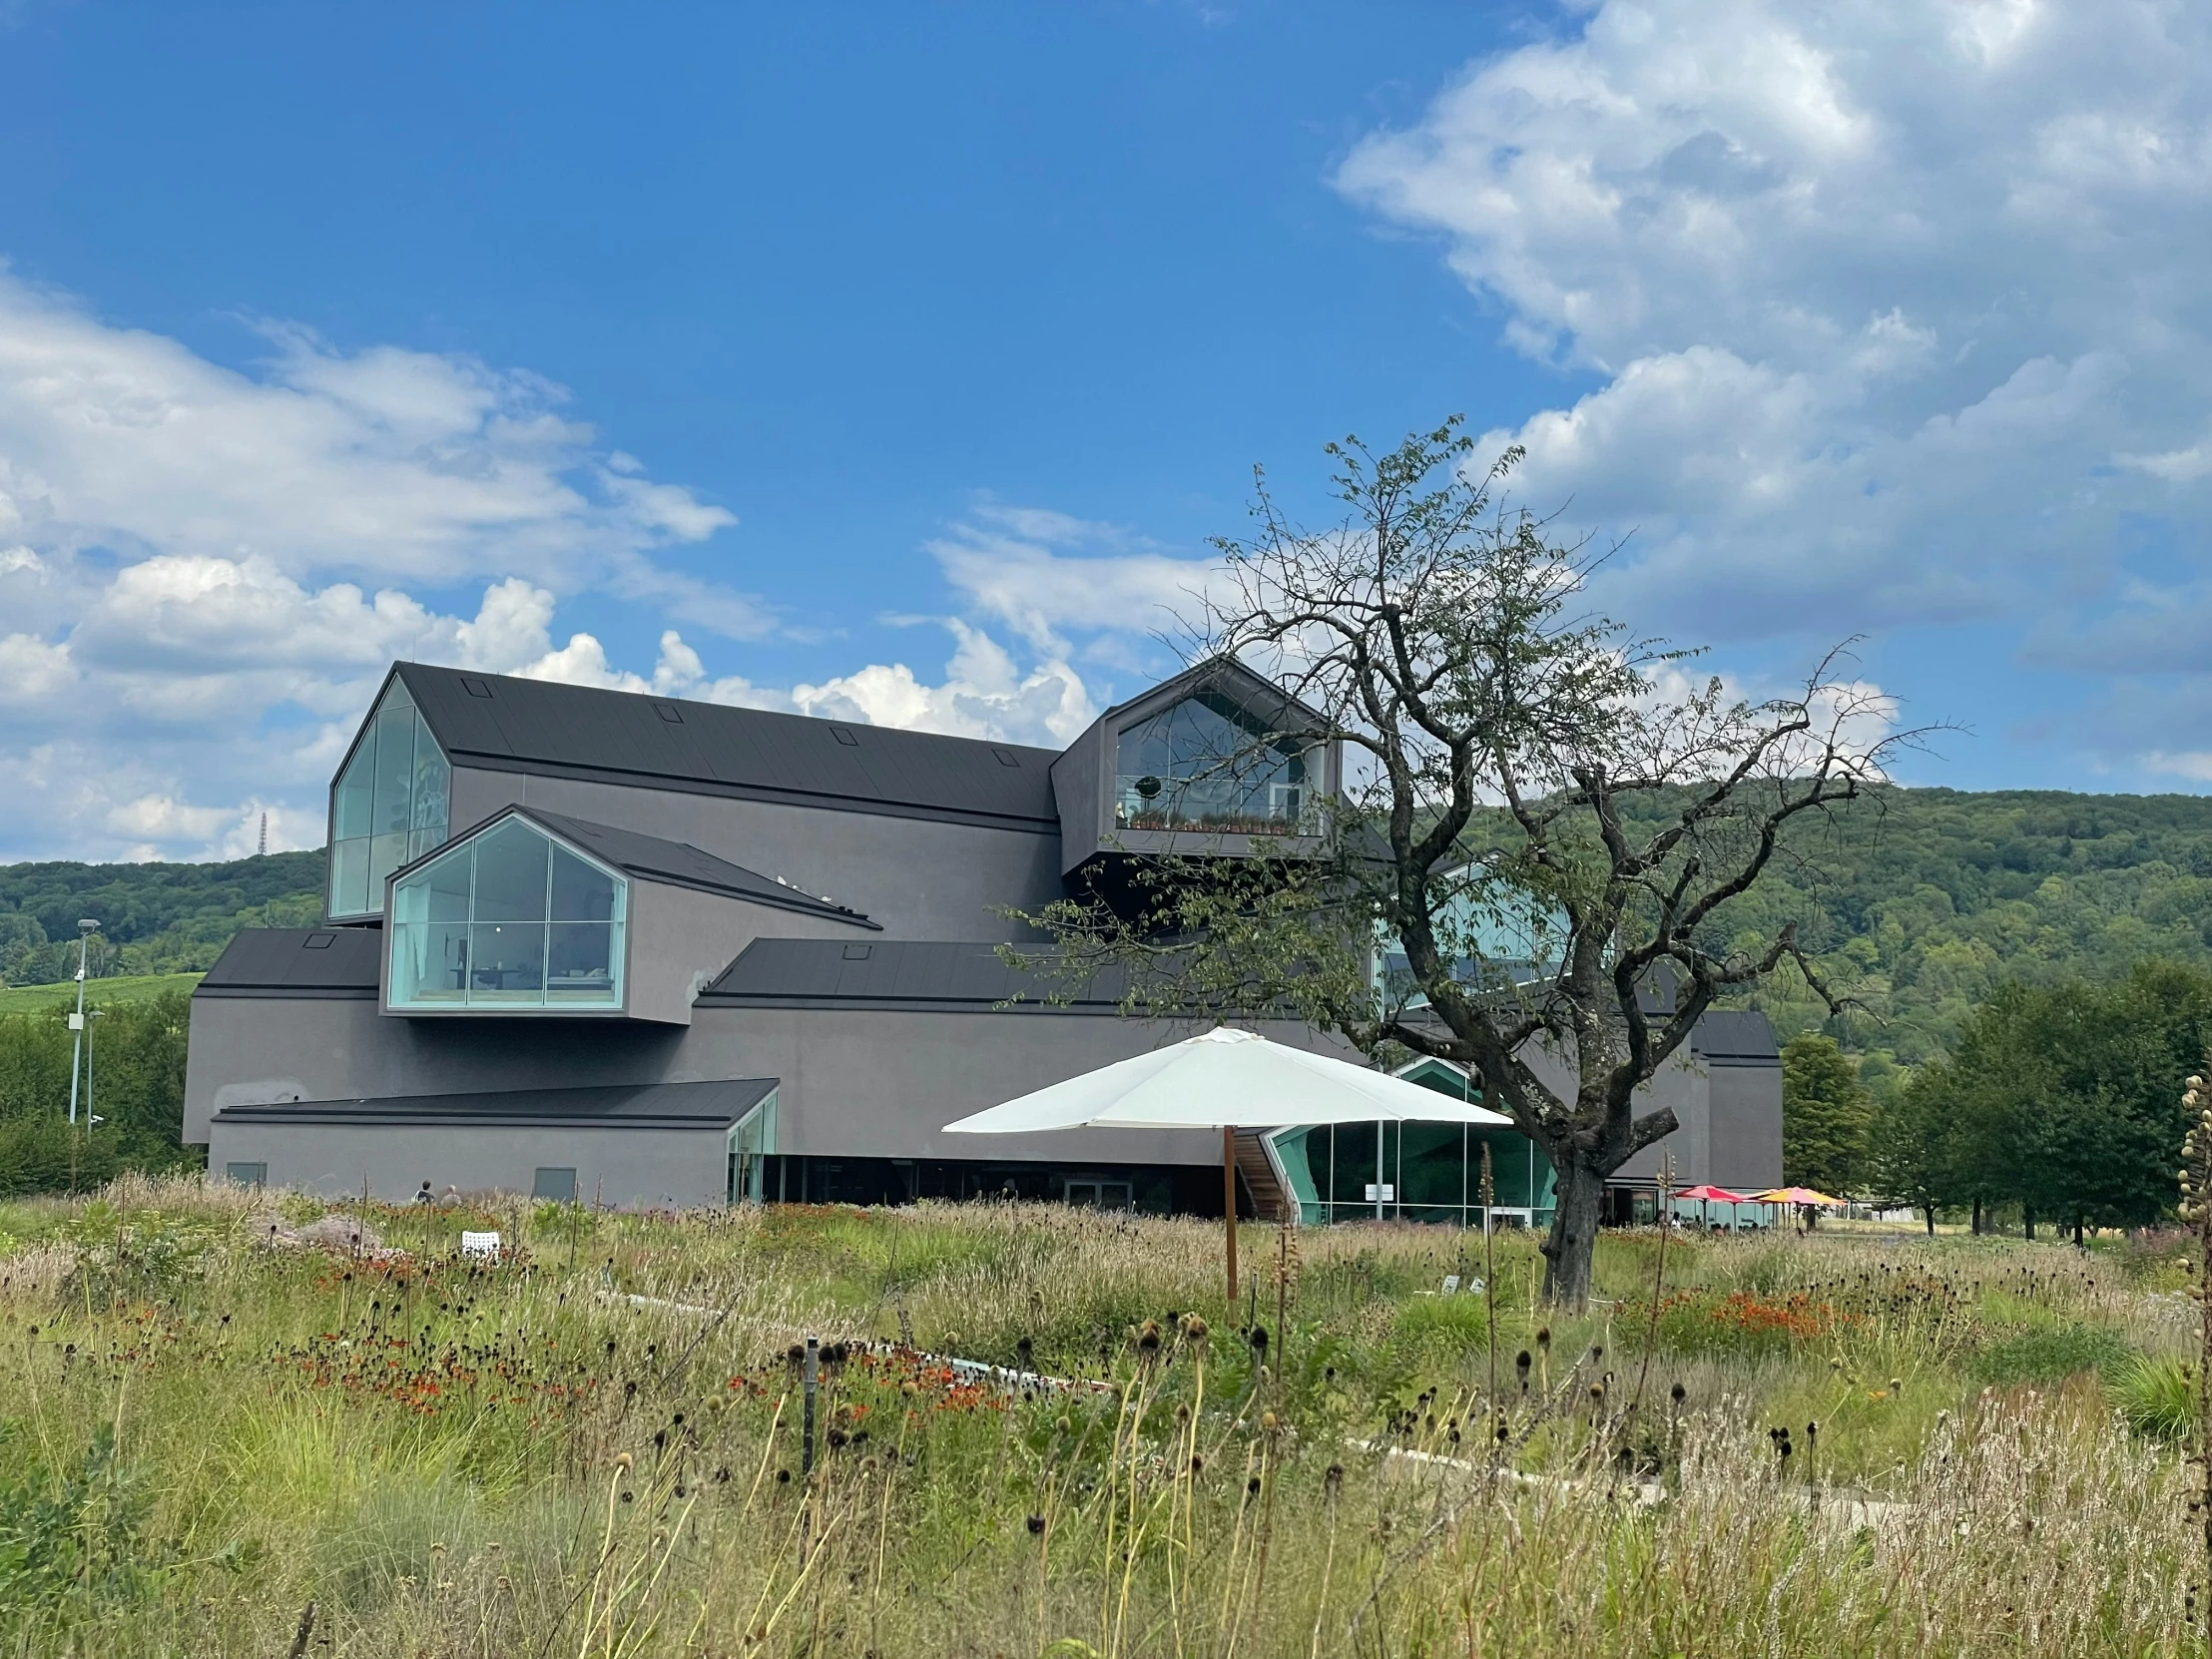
pixel 710 1105
pixel 502 723
pixel 297 962
pixel 1735 1037
pixel 1228 675
pixel 676 863
pixel 888 973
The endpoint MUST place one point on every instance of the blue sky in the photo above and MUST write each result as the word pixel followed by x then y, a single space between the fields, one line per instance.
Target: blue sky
pixel 895 362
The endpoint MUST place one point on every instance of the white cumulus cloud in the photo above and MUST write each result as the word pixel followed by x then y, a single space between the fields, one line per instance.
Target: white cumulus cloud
pixel 1891 312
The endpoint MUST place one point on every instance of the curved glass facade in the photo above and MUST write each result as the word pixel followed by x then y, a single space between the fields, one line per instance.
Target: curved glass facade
pixel 1429 1172
pixel 509 920
pixel 1208 764
pixel 390 805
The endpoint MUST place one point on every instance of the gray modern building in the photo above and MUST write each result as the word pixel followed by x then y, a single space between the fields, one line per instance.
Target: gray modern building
pixel 644 952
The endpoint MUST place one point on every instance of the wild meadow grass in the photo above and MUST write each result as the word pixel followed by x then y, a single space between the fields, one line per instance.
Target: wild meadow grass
pixel 218 1406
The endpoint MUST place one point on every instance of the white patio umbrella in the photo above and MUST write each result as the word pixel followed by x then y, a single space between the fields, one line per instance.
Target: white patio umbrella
pixel 1227 1080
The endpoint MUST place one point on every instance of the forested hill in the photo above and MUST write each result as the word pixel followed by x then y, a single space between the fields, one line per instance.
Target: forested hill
pixel 1924 899
pixel 155 919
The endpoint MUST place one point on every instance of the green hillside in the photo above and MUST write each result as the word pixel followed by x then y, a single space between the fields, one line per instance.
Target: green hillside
pixel 155 919
pixel 100 993
pixel 1921 900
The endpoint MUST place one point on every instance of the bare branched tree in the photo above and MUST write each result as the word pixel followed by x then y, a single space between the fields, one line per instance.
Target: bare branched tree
pixel 1539 822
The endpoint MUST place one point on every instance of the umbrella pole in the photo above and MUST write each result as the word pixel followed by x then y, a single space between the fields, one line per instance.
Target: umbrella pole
pixel 1229 1206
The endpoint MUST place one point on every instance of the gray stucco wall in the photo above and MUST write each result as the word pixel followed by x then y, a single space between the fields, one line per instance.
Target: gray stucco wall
pixel 1747 1124
pixel 626 1170
pixel 918 878
pixel 678 940
pixel 256 1050
pixel 868 1083
pixel 1684 1084
pixel 1680 1083
pixel 875 1083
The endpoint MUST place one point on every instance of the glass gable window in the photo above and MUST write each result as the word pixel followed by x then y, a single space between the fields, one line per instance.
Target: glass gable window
pixel 1208 764
pixel 509 920
pixel 389 806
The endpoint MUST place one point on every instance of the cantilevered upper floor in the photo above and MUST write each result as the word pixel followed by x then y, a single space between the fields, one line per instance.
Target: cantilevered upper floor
pixel 928 837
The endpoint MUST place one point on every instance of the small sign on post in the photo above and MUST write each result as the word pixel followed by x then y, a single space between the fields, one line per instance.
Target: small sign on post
pixel 480 1246
pixel 1383 1192
pixel 810 1372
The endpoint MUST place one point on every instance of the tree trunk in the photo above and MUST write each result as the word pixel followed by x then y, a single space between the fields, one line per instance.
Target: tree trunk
pixel 1930 1211
pixel 1574 1242
pixel 1977 1219
pixel 2077 1230
pixel 2027 1221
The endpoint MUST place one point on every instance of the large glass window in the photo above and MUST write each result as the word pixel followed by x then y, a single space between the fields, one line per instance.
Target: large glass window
pixel 391 804
pixel 1429 1172
pixel 1208 764
pixel 510 918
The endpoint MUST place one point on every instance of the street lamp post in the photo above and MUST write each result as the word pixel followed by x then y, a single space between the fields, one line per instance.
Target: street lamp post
pixel 86 928
pixel 91 1099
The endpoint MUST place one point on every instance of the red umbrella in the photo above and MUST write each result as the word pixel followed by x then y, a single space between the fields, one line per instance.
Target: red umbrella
pixel 1707 1194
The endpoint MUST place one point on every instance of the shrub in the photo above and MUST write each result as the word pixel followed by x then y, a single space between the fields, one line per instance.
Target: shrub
pixel 1447 1325
pixel 2157 1396
pixel 2050 1354
pixel 76 1549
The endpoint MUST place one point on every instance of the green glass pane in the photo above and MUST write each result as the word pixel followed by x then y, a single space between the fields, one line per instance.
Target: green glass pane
pixel 1434 1169
pixel 506 964
pixel 512 863
pixel 356 792
pixel 385 854
pixel 438 891
pixel 350 878
pixel 433 782
pixel 1205 764
pixel 581 891
pixel 1353 1164
pixel 394 770
pixel 579 962
pixel 436 962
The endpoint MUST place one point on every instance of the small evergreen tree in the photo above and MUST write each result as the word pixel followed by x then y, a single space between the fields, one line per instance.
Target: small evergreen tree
pixel 1827 1116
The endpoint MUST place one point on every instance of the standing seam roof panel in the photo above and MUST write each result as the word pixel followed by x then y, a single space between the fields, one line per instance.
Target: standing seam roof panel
pixel 527 721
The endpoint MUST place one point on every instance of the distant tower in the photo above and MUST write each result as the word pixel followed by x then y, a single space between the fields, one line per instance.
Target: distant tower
pixel 265 835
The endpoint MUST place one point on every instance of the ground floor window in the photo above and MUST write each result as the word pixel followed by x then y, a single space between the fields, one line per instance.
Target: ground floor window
pixel 247 1175
pixel 1429 1172
pixel 751 1144
pixel 559 1185
pixel 1100 1194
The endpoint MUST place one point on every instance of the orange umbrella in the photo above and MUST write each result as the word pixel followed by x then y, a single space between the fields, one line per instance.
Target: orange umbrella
pixel 1796 1195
